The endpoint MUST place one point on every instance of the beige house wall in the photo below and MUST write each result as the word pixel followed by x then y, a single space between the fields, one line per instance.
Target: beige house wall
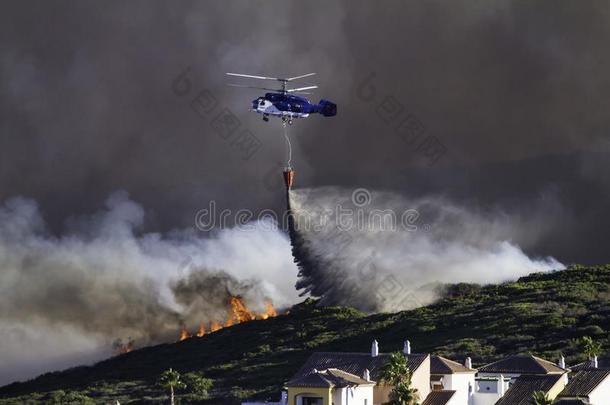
pixel 557 388
pixel 421 379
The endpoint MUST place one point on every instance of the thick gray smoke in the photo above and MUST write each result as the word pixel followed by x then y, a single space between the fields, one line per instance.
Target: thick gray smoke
pixel 381 251
pixel 204 295
pixel 64 300
pixel 489 81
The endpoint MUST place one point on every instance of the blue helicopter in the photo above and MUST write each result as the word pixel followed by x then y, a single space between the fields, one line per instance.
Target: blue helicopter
pixel 284 102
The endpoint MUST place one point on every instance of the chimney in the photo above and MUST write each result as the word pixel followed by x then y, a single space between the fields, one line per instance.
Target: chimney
pixel 468 362
pixel 562 362
pixel 407 347
pixel 594 362
pixel 375 349
pixel 367 375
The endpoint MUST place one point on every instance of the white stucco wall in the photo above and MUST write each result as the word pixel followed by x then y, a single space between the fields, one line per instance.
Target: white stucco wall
pixel 601 394
pixel 485 399
pixel 486 391
pixel 353 396
pixel 459 382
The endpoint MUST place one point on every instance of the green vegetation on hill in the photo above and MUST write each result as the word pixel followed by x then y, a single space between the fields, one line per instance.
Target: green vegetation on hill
pixel 544 314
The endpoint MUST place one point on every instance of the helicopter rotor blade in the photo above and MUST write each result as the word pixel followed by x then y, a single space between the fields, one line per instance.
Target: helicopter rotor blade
pixel 251 87
pixel 253 76
pixel 301 88
pixel 299 77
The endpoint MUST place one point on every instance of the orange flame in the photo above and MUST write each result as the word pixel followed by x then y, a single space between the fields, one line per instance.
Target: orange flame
pixel 270 311
pixel 184 334
pixel 123 348
pixel 214 326
pixel 201 330
pixel 128 347
pixel 238 313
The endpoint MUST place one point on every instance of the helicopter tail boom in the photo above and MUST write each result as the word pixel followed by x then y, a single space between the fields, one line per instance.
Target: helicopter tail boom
pixel 327 108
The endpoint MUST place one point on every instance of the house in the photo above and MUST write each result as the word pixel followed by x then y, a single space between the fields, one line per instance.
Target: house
pixel 449 375
pixel 303 388
pixel 494 380
pixel 330 386
pixel 591 386
pixel 524 387
pixel 338 378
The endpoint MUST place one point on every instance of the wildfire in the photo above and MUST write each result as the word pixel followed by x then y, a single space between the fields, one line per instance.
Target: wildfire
pixel 238 313
pixel 270 311
pixel 201 330
pixel 123 347
pixel 214 326
pixel 184 334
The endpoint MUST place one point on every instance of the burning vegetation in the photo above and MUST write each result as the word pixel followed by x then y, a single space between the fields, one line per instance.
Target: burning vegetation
pixel 122 347
pixel 238 312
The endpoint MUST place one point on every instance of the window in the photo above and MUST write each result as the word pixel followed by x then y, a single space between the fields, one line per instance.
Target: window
pixel 312 401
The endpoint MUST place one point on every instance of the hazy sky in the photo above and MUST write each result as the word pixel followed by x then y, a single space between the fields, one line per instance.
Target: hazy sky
pixel 515 91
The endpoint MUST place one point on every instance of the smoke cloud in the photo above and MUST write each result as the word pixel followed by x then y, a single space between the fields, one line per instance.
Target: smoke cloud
pixel 489 81
pixel 515 92
pixel 103 280
pixel 383 252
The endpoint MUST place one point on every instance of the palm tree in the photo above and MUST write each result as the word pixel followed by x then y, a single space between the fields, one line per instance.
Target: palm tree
pixel 403 394
pixel 396 372
pixel 590 347
pixel 540 398
pixel 171 379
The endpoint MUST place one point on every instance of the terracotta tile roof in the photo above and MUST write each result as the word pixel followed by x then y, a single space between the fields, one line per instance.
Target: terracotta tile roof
pixel 441 365
pixel 353 363
pixel 583 382
pixel 521 391
pixel 328 379
pixel 438 397
pixel 522 364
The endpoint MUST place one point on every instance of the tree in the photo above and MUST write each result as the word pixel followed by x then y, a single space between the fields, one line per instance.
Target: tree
pixel 197 384
pixel 403 394
pixel 70 398
pixel 540 398
pixel 590 347
pixel 396 373
pixel 170 379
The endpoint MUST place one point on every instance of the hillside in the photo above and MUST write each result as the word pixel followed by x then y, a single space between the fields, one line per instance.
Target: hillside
pixel 540 313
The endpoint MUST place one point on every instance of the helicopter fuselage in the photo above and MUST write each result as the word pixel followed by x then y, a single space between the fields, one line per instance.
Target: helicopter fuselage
pixel 284 105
